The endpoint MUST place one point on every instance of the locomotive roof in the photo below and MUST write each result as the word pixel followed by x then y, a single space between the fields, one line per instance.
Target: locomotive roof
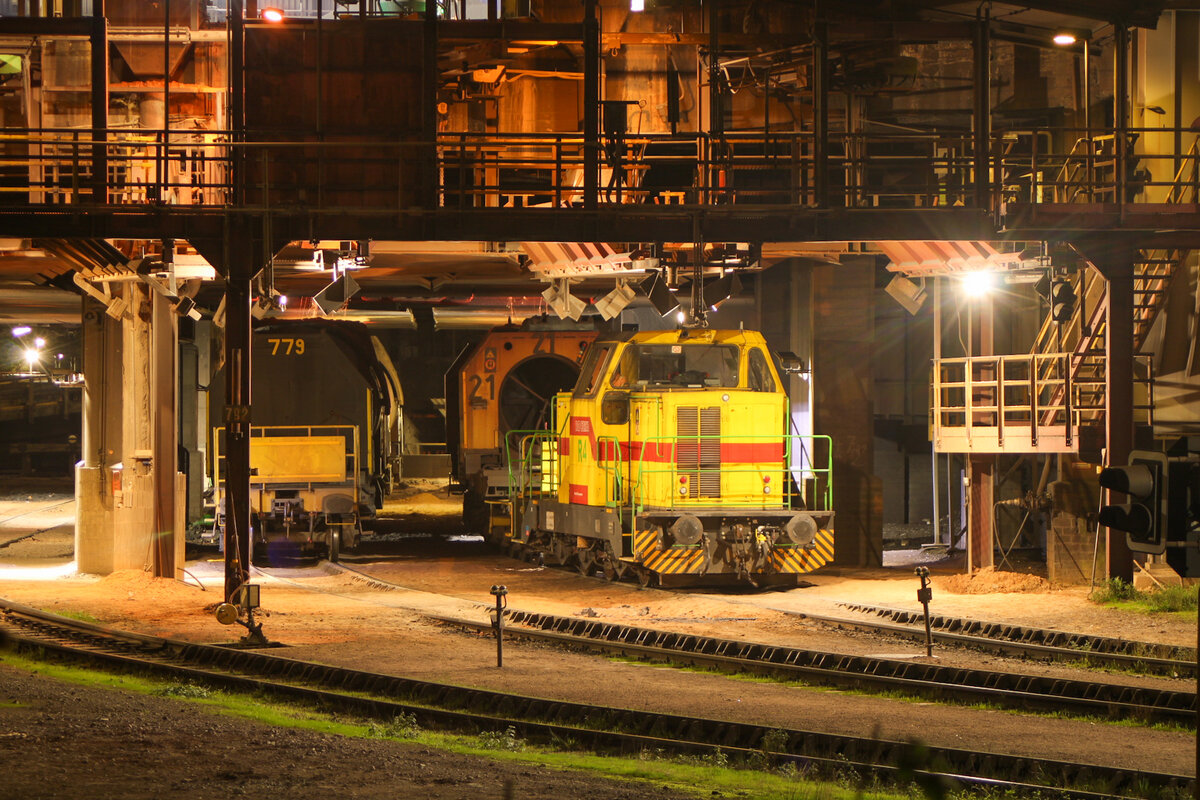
pixel 686 336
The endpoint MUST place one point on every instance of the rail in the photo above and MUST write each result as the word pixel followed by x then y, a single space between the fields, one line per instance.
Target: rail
pixel 600 727
pixel 898 169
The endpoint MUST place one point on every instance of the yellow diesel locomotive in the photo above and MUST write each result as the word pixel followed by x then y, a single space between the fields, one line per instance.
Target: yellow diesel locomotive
pixel 672 460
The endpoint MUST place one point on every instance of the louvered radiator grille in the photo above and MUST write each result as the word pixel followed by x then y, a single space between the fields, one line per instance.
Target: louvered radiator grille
pixel 699 460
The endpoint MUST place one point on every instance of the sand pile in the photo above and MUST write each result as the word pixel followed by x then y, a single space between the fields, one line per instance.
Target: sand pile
pixel 989 581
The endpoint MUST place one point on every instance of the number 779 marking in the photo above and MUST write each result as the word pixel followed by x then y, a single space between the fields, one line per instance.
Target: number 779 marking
pixel 291 346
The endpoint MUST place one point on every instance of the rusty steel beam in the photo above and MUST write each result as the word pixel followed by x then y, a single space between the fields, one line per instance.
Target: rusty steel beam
pixel 238 246
pixel 98 39
pixel 591 104
pixel 983 109
pixel 820 91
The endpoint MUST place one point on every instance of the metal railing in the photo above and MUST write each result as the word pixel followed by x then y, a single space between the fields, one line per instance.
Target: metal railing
pixel 476 171
pixel 799 474
pixel 1024 403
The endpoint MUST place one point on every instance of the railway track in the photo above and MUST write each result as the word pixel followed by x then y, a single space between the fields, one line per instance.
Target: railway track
pixel 607 729
pixel 1035 642
pixel 1148 705
pixel 1014 640
pixel 931 681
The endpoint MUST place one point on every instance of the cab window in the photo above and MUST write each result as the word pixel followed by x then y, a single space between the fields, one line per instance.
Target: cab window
pixel 593 368
pixel 626 372
pixel 691 365
pixel 759 374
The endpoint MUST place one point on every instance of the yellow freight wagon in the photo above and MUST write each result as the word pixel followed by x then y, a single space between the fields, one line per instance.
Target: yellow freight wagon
pixel 672 460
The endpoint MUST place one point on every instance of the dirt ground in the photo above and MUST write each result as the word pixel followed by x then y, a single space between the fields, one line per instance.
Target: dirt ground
pixel 334 617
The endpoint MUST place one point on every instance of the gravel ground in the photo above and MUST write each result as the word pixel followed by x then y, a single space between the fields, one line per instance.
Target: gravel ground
pixel 349 623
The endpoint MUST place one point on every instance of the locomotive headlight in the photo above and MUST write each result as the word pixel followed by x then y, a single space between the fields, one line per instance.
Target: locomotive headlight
pixel 725 398
pixel 682 490
pixel 766 488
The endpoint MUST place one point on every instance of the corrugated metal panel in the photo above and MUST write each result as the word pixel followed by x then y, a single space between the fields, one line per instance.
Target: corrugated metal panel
pixel 571 259
pixel 944 257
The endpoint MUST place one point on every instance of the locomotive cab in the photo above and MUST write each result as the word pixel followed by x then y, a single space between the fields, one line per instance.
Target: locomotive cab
pixel 673 458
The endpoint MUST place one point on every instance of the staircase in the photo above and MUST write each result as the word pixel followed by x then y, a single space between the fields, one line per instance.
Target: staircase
pixel 1039 402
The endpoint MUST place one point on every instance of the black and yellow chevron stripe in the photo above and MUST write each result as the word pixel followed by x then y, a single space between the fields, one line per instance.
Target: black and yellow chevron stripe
pixel 671 561
pixel 804 559
pixel 690 560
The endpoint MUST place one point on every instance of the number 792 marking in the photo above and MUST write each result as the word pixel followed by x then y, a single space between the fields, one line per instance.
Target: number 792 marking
pixel 291 346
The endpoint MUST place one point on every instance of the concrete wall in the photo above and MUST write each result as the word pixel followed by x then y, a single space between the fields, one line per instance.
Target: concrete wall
pixel 843 337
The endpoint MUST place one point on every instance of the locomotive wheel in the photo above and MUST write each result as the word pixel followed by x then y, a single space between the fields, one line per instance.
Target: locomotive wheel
pixel 585 562
pixel 561 551
pixel 646 578
pixel 614 570
pixel 335 544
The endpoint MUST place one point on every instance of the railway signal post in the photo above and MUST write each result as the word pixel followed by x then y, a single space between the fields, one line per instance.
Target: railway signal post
pixel 501 594
pixel 924 595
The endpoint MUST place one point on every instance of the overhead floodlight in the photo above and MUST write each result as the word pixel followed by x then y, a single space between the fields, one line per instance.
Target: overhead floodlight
pixel 32 357
pixel 21 330
pixel 114 306
pixel 562 302
pixel 272 15
pixel 722 289
pixel 1065 38
pixel 186 307
pixel 978 283
pixel 335 295
pixel 615 301
pixel 637 5
pixel 268 306
pixel 907 294
pixel 656 291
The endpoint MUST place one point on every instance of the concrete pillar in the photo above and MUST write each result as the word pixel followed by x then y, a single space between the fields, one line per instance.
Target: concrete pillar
pixel 126 484
pixel 134 501
pixel 101 432
pixel 191 430
pixel 843 334
pixel 163 393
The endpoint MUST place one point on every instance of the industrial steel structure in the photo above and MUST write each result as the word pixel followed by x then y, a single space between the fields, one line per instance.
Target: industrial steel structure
pixel 146 143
